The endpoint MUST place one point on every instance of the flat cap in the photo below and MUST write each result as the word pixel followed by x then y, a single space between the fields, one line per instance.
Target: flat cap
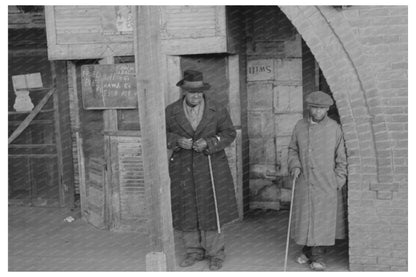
pixel 319 99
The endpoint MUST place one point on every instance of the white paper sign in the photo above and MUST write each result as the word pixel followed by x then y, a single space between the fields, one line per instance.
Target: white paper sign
pixel 27 81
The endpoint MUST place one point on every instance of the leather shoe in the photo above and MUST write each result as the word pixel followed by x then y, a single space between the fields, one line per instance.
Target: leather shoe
pixel 191 259
pixel 215 264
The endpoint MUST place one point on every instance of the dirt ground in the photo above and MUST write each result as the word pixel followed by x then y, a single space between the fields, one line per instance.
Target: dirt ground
pixel 40 240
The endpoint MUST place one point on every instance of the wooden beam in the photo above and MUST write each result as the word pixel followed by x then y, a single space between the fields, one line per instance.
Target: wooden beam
pixel 42 111
pixel 31 145
pixel 151 98
pixel 30 117
pixel 112 212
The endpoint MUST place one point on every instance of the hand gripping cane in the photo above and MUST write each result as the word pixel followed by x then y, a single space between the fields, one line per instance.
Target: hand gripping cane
pixel 215 195
pixel 290 221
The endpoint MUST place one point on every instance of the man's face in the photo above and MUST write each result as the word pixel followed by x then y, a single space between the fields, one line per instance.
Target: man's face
pixel 194 98
pixel 318 113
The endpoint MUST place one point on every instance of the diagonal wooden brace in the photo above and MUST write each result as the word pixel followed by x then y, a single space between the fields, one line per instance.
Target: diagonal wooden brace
pixel 30 117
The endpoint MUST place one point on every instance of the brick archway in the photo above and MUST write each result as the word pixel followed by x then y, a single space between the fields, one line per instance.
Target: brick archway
pixel 341 59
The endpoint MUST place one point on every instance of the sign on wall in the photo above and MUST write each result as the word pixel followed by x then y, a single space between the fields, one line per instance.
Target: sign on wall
pixel 260 70
pixel 111 86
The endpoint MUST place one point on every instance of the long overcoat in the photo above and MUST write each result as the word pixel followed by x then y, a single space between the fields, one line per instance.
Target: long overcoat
pixel 319 151
pixel 193 205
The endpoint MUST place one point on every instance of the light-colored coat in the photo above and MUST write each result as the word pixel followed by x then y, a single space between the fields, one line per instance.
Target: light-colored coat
pixel 191 191
pixel 319 151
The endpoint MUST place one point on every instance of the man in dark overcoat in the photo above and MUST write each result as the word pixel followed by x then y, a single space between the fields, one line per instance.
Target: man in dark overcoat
pixel 318 160
pixel 198 126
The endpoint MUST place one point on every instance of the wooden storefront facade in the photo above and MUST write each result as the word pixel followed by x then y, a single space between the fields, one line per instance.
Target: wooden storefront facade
pixel 40 161
pixel 108 140
pixel 262 69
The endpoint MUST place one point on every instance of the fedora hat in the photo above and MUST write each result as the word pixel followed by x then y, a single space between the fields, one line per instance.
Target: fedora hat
pixel 193 81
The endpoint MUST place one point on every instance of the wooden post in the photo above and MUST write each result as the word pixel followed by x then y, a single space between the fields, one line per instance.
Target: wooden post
pixel 58 141
pixel 151 98
pixel 112 187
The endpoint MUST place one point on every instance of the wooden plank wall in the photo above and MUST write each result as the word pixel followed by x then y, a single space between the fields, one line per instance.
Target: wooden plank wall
pixel 85 32
pixel 19 19
pixel 65 133
pixel 193 29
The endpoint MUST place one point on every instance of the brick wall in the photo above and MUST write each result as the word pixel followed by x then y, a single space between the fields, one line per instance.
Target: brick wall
pixel 362 51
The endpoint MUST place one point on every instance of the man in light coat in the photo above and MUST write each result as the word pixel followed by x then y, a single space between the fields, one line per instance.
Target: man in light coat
pixel 317 159
pixel 198 126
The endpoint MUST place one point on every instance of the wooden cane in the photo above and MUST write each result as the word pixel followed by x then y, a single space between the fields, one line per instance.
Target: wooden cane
pixel 215 195
pixel 290 221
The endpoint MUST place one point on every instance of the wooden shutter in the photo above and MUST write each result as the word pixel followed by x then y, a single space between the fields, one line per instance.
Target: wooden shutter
pixel 131 176
pixel 95 193
pixel 193 30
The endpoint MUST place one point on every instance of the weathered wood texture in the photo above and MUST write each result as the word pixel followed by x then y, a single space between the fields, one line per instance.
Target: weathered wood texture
pixel 151 93
pixel 96 192
pixel 63 134
pixel 30 117
pixel 193 29
pixel 75 128
pixel 109 86
pixel 19 19
pixel 131 183
pixel 85 32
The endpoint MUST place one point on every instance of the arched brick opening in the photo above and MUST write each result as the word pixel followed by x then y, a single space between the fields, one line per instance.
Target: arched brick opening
pixel 340 56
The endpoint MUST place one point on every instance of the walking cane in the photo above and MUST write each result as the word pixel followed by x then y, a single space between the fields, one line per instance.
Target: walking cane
pixel 290 221
pixel 215 195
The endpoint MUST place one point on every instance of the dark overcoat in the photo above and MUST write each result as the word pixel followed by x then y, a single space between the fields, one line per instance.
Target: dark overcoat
pixel 318 150
pixel 191 190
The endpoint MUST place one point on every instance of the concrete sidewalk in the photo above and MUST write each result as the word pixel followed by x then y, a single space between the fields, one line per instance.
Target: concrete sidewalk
pixel 40 240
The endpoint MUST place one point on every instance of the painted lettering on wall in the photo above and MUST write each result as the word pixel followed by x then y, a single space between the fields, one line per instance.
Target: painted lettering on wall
pixel 109 86
pixel 259 70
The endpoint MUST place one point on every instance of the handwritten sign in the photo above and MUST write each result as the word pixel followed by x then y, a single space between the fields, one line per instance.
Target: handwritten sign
pixel 260 70
pixel 110 86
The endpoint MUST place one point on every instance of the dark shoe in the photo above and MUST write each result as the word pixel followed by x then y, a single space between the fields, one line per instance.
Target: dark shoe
pixel 215 264
pixel 317 259
pixel 191 259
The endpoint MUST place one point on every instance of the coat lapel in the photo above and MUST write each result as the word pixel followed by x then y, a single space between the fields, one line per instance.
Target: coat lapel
pixel 209 113
pixel 181 119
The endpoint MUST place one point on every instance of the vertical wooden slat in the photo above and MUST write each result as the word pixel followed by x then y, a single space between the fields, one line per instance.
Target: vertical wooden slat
pixel 151 94
pixel 57 128
pixel 32 183
pixel 174 74
pixel 234 89
pixel 81 170
pixel 112 189
pixel 74 124
pixel 114 196
pixel 62 112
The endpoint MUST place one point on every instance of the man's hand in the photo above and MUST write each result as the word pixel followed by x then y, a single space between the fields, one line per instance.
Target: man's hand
pixel 200 145
pixel 185 143
pixel 295 172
